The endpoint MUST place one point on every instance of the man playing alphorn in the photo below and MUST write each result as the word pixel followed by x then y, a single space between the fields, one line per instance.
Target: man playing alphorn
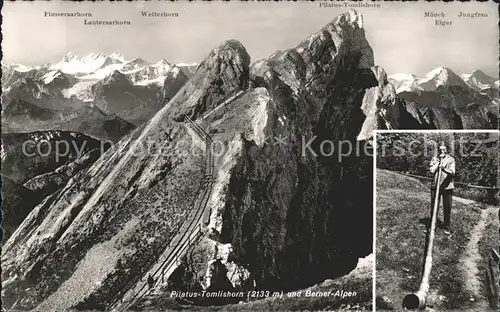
pixel 447 165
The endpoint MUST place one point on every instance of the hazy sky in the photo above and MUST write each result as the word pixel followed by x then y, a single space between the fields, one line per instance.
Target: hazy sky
pixel 402 39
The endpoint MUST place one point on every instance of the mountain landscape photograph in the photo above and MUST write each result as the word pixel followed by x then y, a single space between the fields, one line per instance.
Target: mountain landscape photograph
pixel 216 156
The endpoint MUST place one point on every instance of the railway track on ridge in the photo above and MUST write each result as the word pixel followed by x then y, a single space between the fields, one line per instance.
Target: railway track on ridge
pixel 182 241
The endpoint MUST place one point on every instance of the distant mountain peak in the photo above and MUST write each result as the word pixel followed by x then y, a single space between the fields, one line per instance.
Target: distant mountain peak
pixel 479 74
pixel 138 60
pixel 136 63
pixel 52 75
pixel 117 56
pixel 440 70
pixel 478 80
pixel 22 68
pixel 440 76
pixel 478 71
pixel 117 77
pixel 163 61
pixel 68 57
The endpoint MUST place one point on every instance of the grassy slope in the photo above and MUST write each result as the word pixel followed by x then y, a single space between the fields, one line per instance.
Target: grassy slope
pixel 401 204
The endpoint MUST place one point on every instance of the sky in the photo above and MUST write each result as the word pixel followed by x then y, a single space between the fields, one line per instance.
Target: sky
pixel 403 40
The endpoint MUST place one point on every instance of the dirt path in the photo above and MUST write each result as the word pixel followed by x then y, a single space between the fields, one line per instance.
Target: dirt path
pixel 471 258
pixel 464 200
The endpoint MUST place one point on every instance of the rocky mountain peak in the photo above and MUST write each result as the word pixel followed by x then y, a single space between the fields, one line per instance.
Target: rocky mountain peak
pixel 117 78
pixel 117 56
pixel 163 66
pixel 224 72
pixel 351 18
pixel 480 81
pixel 134 64
pixel 344 31
pixel 55 75
pixel 482 77
pixel 68 57
pixel 441 72
pixel 94 56
pixel 440 76
pixel 230 52
pixel 163 61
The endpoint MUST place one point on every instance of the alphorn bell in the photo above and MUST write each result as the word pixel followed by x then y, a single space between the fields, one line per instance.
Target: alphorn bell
pixel 419 299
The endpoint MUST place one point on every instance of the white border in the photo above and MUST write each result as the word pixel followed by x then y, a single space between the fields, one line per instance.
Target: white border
pixel 374 244
pixel 439 130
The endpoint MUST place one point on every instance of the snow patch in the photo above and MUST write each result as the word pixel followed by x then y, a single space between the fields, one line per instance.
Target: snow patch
pixel 260 119
pixel 186 64
pixel 402 77
pixel 22 68
pixel 50 76
pixel 217 198
pixel 81 90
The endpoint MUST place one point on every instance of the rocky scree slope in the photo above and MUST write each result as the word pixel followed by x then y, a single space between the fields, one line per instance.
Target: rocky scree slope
pixel 282 211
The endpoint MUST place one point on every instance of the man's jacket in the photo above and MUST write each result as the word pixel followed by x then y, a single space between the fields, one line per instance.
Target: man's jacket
pixel 447 175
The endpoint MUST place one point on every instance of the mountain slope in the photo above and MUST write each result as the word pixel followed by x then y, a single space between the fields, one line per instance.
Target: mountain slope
pixel 48 183
pixel 17 203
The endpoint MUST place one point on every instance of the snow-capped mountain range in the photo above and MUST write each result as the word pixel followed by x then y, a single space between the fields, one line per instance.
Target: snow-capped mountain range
pixel 134 90
pixel 94 67
pixel 444 100
pixel 442 76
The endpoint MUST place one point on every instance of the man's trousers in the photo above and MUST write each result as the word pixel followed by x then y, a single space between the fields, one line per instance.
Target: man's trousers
pixel 446 195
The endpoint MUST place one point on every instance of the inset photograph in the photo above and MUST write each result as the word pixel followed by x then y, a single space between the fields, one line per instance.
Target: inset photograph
pixel 437 221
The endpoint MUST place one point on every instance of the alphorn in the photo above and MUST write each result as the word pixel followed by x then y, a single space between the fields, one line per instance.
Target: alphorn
pixel 419 299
